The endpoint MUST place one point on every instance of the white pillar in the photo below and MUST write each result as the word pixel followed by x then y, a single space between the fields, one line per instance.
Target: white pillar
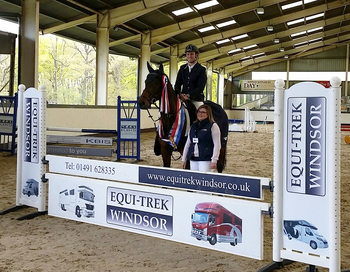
pixel 209 80
pixel 277 170
pixel 288 68
pixel 144 58
pixel 174 51
pixel 29 44
pixel 221 88
pixel 102 54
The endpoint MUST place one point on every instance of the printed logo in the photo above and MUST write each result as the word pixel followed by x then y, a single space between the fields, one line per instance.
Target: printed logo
pixel 306 154
pixel 31 130
pixel 140 210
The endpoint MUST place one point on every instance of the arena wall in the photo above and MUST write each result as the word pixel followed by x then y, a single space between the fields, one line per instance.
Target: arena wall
pixel 106 117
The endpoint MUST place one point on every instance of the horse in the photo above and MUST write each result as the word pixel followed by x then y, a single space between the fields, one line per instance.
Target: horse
pixel 173 120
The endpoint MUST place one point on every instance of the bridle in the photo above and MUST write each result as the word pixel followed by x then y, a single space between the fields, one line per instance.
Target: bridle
pixel 152 101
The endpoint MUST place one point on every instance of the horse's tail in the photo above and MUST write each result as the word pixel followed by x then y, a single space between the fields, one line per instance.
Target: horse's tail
pixel 222 160
pixel 221 119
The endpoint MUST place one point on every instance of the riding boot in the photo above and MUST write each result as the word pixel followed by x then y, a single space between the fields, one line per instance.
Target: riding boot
pixel 191 110
pixel 156 148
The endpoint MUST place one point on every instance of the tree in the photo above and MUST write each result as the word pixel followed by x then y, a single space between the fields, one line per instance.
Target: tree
pixel 122 79
pixel 67 68
pixel 4 74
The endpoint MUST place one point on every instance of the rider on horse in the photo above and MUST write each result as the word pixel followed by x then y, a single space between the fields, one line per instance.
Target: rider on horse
pixel 191 80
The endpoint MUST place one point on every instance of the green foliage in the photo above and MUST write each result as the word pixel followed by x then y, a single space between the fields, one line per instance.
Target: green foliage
pixel 122 79
pixel 67 69
pixel 4 74
pixel 214 94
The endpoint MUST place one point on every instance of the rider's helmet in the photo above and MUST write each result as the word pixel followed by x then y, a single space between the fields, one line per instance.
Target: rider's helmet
pixel 191 48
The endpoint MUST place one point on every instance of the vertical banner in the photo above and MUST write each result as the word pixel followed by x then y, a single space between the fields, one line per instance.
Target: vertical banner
pixel 310 203
pixel 31 148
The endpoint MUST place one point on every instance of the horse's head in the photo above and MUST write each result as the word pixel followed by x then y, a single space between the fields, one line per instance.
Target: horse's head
pixel 154 86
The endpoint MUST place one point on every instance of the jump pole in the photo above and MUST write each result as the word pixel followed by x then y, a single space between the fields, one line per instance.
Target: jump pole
pixel 83 140
pixel 83 130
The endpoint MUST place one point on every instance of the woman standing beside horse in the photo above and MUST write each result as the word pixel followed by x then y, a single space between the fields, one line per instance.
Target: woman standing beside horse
pixel 203 145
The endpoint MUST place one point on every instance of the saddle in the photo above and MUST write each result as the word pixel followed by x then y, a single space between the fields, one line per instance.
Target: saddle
pixel 192 111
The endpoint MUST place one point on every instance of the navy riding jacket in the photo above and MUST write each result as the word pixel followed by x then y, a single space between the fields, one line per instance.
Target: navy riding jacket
pixel 192 83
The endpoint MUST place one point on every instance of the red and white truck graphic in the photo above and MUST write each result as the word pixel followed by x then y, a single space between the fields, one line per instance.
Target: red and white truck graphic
pixel 214 223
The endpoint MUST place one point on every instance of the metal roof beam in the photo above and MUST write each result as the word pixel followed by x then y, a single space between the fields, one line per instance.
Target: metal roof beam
pixel 166 32
pixel 271 62
pixel 117 16
pixel 70 24
pixel 125 40
pixel 274 21
pixel 137 9
pixel 224 61
pixel 237 66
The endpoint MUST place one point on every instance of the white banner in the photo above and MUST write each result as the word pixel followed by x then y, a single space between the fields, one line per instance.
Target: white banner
pixel 240 186
pixel 31 148
pixel 310 173
pixel 224 224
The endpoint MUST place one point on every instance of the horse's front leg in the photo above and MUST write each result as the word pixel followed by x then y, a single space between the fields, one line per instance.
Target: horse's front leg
pixel 167 150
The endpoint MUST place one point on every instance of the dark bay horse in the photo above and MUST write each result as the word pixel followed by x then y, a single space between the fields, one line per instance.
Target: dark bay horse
pixel 173 121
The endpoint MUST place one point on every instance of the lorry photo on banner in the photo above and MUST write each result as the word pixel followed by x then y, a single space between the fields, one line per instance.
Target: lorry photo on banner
pixel 305 232
pixel 31 188
pixel 79 200
pixel 213 223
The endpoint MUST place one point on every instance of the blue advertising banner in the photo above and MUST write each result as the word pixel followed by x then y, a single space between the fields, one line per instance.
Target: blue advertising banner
pixel 221 184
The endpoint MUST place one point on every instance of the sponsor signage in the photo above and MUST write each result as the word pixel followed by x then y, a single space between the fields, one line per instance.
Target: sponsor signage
pixel 6 124
pixel 240 186
pixel 310 173
pixel 257 85
pixel 325 84
pixel 306 154
pixel 31 151
pixel 128 129
pixel 173 215
pixel 140 210
pixel 248 187
pixel 79 140
pixel 79 151
pixel 31 130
